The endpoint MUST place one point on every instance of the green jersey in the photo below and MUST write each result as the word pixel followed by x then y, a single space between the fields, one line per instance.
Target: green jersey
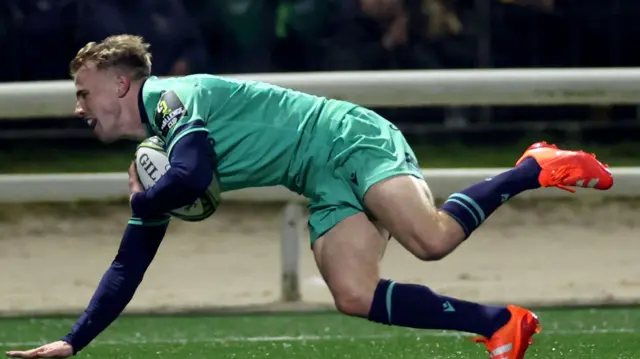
pixel 260 134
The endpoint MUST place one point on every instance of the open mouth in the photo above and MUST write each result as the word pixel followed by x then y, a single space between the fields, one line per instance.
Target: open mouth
pixel 92 122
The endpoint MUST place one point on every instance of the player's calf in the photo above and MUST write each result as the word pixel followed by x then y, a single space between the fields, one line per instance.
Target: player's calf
pixel 403 206
pixel 542 165
pixel 472 206
pixel 348 257
pixel 417 306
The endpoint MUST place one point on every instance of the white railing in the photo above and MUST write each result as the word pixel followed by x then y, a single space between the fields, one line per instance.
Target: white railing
pixel 390 88
pixel 104 186
pixel 76 187
pixel 379 89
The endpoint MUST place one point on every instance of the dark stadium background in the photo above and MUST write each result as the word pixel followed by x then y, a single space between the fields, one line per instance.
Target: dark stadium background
pixel 39 37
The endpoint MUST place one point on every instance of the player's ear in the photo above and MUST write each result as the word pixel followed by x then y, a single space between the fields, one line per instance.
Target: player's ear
pixel 123 83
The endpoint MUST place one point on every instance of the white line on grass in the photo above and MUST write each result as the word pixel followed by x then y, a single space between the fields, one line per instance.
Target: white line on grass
pixel 303 338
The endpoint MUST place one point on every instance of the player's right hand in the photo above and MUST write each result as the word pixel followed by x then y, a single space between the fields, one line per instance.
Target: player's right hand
pixel 59 349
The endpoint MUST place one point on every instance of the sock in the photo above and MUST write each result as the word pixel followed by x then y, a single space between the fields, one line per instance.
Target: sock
pixel 416 306
pixel 471 207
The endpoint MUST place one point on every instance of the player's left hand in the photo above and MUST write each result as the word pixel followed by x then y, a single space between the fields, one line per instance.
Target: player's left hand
pixel 134 183
pixel 59 349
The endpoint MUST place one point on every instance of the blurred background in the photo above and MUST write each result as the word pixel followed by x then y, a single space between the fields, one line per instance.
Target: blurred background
pixel 39 37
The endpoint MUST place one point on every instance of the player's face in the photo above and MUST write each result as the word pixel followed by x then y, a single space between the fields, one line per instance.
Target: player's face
pixel 98 94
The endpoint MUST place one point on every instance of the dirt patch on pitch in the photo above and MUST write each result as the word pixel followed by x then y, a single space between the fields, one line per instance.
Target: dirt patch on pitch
pixel 52 259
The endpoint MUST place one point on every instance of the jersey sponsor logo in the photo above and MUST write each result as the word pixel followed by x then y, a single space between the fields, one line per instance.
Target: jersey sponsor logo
pixel 169 111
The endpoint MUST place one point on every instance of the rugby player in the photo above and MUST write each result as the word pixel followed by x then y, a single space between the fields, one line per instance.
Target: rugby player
pixel 361 177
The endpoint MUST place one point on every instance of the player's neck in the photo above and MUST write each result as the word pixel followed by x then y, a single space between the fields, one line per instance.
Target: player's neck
pixel 134 131
pixel 133 128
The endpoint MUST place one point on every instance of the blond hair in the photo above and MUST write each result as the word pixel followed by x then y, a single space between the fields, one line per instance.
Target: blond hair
pixel 126 52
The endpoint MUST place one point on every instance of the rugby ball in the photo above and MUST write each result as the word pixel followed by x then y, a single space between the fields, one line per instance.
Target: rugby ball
pixel 152 163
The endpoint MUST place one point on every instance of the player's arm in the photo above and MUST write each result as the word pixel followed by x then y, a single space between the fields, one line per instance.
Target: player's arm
pixel 189 152
pixel 188 178
pixel 139 245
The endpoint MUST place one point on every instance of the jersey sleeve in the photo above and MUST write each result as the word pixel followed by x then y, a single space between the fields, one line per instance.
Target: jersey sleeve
pixel 180 112
pixel 140 242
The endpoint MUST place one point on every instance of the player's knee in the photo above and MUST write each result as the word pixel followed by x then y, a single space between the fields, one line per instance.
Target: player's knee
pixel 353 302
pixel 431 246
pixel 431 253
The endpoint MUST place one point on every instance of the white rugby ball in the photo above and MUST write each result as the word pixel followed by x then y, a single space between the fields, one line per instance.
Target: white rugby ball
pixel 152 163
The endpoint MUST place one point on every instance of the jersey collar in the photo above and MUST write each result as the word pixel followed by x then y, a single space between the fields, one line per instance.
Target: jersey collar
pixel 144 118
pixel 141 108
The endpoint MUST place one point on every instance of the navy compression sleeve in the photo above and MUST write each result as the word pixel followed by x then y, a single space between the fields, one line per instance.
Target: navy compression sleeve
pixel 188 178
pixel 138 247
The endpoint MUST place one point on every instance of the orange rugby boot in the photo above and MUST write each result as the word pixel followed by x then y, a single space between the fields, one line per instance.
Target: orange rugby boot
pixel 564 168
pixel 514 338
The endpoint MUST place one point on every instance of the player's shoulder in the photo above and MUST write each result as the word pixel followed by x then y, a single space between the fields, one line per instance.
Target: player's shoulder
pixel 186 87
pixel 155 87
pixel 167 100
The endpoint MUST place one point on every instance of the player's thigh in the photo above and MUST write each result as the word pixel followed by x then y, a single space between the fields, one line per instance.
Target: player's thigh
pixel 389 184
pixel 348 257
pixel 334 206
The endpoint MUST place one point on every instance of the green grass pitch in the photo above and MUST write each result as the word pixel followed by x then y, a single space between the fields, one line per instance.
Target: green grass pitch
pixel 576 333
